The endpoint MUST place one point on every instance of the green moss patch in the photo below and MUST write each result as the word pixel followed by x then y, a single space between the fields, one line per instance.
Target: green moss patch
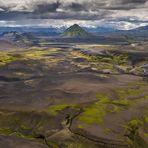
pixel 123 93
pixel 54 109
pixel 135 139
pixel 95 113
pixel 122 102
pixel 107 130
pixel 5 131
pixel 34 54
pixel 146 118
pixel 7 58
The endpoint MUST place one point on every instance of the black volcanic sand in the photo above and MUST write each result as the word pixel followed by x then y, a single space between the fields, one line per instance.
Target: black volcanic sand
pixel 83 96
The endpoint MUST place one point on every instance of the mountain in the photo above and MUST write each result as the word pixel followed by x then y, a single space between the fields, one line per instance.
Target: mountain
pixel 140 33
pixel 75 31
pixel 7 45
pixel 38 31
pixel 15 36
pixel 100 29
pixel 19 38
pixel 143 28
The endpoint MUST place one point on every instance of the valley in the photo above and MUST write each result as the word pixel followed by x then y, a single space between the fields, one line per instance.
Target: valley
pixel 74 95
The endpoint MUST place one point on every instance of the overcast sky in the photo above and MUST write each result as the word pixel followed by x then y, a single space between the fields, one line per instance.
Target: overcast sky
pixel 122 14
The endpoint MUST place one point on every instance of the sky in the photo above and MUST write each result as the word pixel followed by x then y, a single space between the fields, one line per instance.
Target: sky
pixel 121 14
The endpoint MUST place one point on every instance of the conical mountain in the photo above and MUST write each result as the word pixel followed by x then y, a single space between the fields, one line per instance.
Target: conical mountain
pixel 76 31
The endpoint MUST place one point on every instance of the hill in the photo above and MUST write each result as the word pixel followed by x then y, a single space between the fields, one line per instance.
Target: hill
pixel 19 38
pixel 5 45
pixel 143 28
pixel 76 31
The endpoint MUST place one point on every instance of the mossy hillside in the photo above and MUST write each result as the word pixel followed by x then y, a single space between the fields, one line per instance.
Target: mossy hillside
pixel 108 61
pixel 78 54
pixel 95 113
pixel 6 58
pixel 109 58
pixel 115 59
pixel 124 98
pixel 75 31
pixel 122 102
pixel 31 54
pixel 37 53
pixel 134 90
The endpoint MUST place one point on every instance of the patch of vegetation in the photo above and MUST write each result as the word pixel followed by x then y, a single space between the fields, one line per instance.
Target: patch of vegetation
pixel 135 123
pixel 102 66
pixel 146 134
pixel 114 59
pixel 129 92
pixel 107 61
pixel 34 54
pixel 5 131
pixel 134 138
pixel 123 102
pixel 113 108
pixel 80 55
pixel 54 109
pixel 80 126
pixel 95 113
pixel 107 130
pixel 38 53
pixel 146 118
pixel 7 58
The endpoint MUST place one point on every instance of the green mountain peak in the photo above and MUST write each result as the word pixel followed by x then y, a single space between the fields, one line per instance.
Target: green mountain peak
pixel 75 31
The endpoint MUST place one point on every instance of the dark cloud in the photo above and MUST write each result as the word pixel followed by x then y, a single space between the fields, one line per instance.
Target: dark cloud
pixel 45 7
pixel 15 15
pixel 132 1
pixel 77 7
pixel 117 10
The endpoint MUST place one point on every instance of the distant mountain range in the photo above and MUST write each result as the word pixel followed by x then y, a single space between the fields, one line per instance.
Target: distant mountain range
pixel 143 28
pixel 26 38
pixel 38 31
pixel 14 36
pixel 57 31
pixel 24 34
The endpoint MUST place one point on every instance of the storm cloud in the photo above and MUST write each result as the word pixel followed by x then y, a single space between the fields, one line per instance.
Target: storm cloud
pixel 128 11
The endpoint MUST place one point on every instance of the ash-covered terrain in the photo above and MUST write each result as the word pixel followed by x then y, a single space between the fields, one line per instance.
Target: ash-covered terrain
pixel 74 96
